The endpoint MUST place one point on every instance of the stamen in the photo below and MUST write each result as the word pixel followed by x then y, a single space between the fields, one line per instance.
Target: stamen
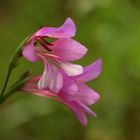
pixel 44 43
pixel 48 43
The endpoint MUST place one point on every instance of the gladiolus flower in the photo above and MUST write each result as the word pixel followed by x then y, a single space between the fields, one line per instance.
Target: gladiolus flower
pixel 75 94
pixel 57 55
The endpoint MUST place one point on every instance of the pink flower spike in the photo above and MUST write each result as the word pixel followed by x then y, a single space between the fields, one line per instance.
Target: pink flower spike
pixel 62 80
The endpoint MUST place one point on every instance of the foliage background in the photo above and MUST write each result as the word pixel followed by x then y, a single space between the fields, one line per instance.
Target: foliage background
pixel 111 30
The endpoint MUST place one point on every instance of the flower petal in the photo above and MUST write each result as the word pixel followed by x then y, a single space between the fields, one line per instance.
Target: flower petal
pixel 68 49
pixel 87 109
pixel 72 69
pixel 90 72
pixel 51 79
pixel 67 30
pixel 69 88
pixel 45 79
pixel 77 110
pixel 87 95
pixel 29 52
pixel 56 83
pixel 80 114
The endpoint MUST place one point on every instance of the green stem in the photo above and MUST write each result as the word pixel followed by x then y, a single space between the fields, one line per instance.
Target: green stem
pixel 12 90
pixel 12 64
pixel 6 82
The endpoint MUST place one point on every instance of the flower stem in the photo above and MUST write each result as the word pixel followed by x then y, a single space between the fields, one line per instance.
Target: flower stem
pixel 12 90
pixel 6 82
pixel 11 65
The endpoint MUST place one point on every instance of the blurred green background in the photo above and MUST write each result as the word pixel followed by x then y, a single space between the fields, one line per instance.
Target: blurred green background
pixel 111 30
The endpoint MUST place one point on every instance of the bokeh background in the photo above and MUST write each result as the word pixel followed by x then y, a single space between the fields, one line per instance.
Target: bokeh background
pixel 110 29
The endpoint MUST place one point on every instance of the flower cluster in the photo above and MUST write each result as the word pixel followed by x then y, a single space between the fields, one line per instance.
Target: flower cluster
pixel 62 80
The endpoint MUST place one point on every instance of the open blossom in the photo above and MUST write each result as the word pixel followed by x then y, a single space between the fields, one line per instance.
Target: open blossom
pixel 56 56
pixel 75 94
pixel 61 80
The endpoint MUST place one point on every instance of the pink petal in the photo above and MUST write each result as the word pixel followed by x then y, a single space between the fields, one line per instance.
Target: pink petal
pixel 77 109
pixel 80 114
pixel 87 95
pixel 31 87
pixel 90 72
pixel 72 69
pixel 44 93
pixel 67 30
pixel 29 52
pixel 87 109
pixel 68 49
pixel 69 89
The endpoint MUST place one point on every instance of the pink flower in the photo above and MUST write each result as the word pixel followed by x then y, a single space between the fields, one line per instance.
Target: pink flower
pixel 75 94
pixel 57 55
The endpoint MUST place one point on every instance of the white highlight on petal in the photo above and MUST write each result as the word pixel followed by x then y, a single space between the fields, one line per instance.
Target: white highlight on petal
pixel 45 80
pixel 56 83
pixel 72 69
pixel 51 79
